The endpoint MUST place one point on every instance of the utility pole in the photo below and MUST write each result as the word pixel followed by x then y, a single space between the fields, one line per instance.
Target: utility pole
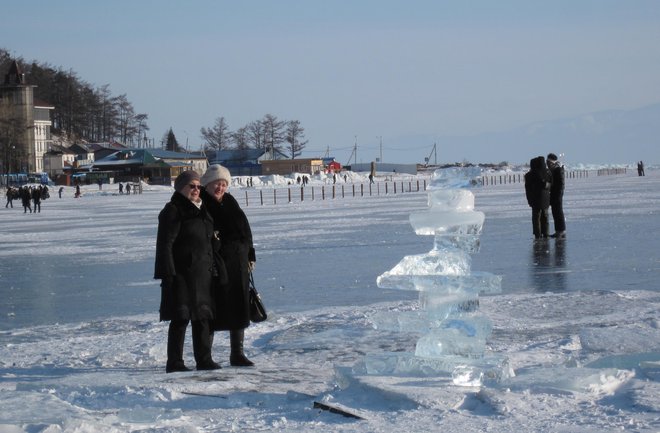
pixel 381 147
pixel 355 149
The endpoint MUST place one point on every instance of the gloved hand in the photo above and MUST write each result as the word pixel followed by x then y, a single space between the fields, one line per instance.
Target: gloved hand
pixel 251 266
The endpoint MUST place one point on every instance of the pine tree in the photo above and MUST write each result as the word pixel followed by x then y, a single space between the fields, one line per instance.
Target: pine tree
pixel 170 141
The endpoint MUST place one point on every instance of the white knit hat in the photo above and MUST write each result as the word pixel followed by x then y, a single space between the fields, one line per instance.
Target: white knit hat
pixel 216 172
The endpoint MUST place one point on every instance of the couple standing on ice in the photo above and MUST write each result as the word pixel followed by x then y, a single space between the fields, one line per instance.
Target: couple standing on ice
pixel 544 187
pixel 204 256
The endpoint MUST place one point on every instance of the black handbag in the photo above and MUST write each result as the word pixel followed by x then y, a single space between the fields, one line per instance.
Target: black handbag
pixel 257 309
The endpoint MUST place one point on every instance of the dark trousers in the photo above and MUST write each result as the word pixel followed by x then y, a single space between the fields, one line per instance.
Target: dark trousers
pixel 202 339
pixel 540 223
pixel 558 217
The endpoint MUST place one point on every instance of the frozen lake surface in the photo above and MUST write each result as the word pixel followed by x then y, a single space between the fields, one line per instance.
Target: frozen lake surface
pixel 81 348
pixel 93 258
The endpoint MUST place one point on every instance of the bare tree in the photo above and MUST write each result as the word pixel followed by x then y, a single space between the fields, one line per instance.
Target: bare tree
pixel 295 136
pixel 255 134
pixel 274 133
pixel 105 114
pixel 125 116
pixel 141 127
pixel 241 138
pixel 218 136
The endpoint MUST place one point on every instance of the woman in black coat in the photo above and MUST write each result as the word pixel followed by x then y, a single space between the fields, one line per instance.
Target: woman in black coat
pixel 538 181
pixel 237 251
pixel 185 264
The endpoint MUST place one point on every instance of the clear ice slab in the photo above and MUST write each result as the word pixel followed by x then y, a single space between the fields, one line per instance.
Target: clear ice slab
pixel 477 282
pixel 463 371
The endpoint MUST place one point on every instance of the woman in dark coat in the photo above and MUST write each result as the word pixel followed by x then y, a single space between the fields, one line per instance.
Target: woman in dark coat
pixel 237 251
pixel 185 264
pixel 538 181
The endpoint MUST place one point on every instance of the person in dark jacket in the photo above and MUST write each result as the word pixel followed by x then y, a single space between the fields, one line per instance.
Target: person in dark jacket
pixel 185 264
pixel 26 197
pixel 10 197
pixel 36 198
pixel 237 251
pixel 557 196
pixel 538 181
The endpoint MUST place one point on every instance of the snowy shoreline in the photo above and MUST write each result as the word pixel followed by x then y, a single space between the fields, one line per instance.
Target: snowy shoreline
pixel 108 375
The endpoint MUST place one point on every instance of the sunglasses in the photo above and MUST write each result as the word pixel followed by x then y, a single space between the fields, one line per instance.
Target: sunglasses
pixel 194 186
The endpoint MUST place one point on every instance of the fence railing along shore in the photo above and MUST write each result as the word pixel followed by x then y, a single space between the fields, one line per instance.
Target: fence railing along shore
pixel 273 195
pixel 299 193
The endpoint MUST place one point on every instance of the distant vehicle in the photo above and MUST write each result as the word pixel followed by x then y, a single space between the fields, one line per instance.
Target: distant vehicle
pixel 19 179
pixel 13 179
pixel 41 178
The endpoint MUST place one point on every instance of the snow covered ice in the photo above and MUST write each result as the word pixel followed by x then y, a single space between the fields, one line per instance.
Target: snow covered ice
pixel 81 348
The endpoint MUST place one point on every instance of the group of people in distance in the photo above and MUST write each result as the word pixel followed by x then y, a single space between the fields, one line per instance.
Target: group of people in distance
pixel 204 257
pixel 544 188
pixel 29 195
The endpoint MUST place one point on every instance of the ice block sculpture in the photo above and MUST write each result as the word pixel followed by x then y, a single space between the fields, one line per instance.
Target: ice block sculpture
pixel 453 333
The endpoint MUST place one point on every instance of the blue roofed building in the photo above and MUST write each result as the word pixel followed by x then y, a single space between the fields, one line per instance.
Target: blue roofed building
pixel 240 162
pixel 154 166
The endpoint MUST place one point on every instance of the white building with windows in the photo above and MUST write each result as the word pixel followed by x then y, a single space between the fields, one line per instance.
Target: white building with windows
pixel 42 137
pixel 24 125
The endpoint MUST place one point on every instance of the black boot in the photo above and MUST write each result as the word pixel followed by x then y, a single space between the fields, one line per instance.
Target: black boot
pixel 202 342
pixel 237 357
pixel 175 338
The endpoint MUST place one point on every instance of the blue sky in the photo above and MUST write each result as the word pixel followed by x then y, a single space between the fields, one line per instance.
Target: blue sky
pixel 353 71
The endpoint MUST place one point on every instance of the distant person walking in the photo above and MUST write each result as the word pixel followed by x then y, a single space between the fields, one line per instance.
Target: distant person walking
pixel 557 196
pixel 538 181
pixel 60 191
pixel 10 197
pixel 185 266
pixel 640 168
